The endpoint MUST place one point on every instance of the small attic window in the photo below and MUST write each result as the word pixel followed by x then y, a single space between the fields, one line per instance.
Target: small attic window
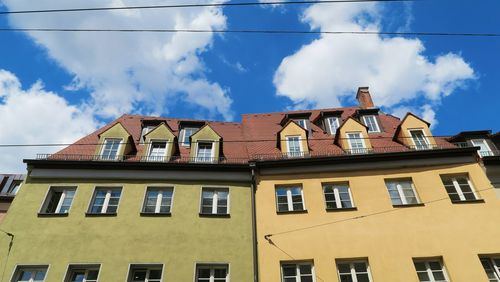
pixel 371 122
pixel 186 132
pixel 332 124
pixel 302 123
pixel 145 130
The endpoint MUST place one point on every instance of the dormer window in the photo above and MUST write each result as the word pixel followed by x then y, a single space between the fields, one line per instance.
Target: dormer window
pixel 145 130
pixel 333 124
pixel 371 122
pixel 356 143
pixel 157 150
pixel 484 149
pixel 301 122
pixel 186 132
pixel 205 152
pixel 419 139
pixel 110 148
pixel 294 146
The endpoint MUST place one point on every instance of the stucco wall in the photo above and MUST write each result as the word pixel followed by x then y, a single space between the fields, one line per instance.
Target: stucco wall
pixel 457 232
pixel 178 241
pixel 293 129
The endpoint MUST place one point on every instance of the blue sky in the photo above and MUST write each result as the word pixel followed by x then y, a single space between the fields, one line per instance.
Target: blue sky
pixel 89 79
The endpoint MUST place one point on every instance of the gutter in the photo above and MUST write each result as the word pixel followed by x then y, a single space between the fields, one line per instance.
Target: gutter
pixel 254 226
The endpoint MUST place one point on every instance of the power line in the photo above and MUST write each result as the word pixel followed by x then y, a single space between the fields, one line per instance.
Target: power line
pixel 254 31
pixel 268 236
pixel 241 4
pixel 215 141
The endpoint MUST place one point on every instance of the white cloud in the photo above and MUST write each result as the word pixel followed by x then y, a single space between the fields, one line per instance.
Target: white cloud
pixel 330 68
pixel 131 72
pixel 36 116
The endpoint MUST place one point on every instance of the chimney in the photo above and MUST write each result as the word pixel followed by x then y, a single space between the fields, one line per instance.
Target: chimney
pixel 364 98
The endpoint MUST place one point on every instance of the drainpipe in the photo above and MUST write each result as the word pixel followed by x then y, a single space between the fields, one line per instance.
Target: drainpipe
pixel 254 226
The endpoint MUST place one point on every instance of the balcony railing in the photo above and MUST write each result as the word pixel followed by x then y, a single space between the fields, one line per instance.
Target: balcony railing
pixel 134 158
pixel 489 153
pixel 256 157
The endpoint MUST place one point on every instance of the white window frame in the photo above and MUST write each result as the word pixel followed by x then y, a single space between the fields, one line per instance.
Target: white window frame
pixel 363 150
pixel 50 194
pixel 425 139
pixel 82 267
pixel 428 269
pixel 187 143
pixel 145 130
pixel 297 268
pixel 103 146
pixel 496 268
pixel 399 188
pixel 150 150
pixel 302 120
pixel 353 271
pixel 19 268
pixel 289 198
pixel 212 267
pixel 293 154
pixel 330 121
pixel 480 152
pixel 148 267
pixel 215 200
pixel 105 204
pixel 212 151
pixel 159 198
pixel 375 122
pixel 458 189
pixel 338 200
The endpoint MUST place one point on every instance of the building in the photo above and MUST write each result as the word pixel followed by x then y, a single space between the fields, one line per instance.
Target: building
pixel 9 185
pixel 354 194
pixel 488 151
pixel 142 199
pixel 344 194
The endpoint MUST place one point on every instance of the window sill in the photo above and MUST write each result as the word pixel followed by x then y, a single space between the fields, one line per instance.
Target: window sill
pixel 214 215
pixel 409 205
pixel 152 214
pixel 341 209
pixel 468 201
pixel 52 214
pixel 101 214
pixel 287 212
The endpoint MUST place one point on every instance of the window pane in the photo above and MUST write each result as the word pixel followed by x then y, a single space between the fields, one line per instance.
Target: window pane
pixel 140 275
pixel 305 269
pixel 344 268
pixel 204 273
pixel 363 277
pixel 55 196
pixel 155 274
pixel 219 273
pixel 360 267
pixel 289 270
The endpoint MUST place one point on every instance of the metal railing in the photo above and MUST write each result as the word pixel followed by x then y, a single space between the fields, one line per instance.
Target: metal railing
pixel 135 158
pixel 489 153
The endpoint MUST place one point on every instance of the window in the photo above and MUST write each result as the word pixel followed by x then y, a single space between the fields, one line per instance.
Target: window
pixel 356 143
pixel 354 271
pixel 82 273
pixel 430 270
pixel 205 152
pixel 419 139
pixel 333 124
pixel 146 130
pixel 105 200
pixel 14 187
pixel 215 201
pixel 186 132
pixel 371 122
pixel 294 146
pixel 484 149
pixel 297 272
pixel 145 273
pixel 301 122
pixel 30 274
pixel 337 196
pixel 212 273
pixel 158 200
pixel 110 148
pixel 492 268
pixel 459 188
pixel 289 199
pixel 59 200
pixel 157 151
pixel 402 192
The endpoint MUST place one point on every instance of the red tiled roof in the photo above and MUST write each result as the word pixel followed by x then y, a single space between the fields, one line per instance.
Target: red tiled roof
pixel 255 136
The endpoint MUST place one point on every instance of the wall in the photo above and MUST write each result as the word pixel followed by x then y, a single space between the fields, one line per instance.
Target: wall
pixel 390 239
pixel 178 241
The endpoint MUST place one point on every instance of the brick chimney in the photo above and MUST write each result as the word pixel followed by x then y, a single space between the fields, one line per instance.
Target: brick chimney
pixel 364 98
